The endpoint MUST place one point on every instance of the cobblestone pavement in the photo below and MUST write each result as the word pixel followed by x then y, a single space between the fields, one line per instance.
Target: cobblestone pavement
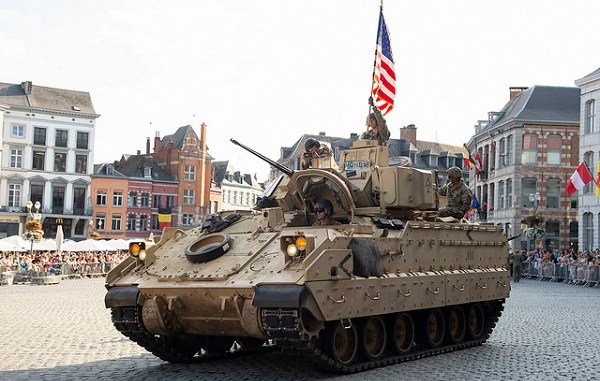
pixel 63 332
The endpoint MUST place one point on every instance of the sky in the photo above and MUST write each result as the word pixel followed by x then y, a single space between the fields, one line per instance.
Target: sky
pixel 266 72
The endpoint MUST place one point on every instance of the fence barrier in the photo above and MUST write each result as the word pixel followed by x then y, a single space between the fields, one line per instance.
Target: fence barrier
pixel 585 275
pixel 64 270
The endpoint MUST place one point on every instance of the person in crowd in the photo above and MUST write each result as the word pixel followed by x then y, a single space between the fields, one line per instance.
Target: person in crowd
pixel 377 126
pixel 324 212
pixel 458 193
pixel 517 260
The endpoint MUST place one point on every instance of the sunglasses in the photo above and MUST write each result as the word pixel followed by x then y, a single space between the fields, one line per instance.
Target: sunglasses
pixel 319 210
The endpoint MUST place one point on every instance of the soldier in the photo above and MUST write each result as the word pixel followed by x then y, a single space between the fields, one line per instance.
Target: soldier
pixel 458 193
pixel 517 261
pixel 324 210
pixel 314 148
pixel 377 126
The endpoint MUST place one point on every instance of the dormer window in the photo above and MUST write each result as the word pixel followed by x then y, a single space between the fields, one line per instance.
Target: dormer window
pixel 147 172
pixel 110 170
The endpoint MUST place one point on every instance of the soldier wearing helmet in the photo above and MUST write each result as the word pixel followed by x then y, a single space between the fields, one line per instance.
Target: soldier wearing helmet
pixel 458 193
pixel 313 149
pixel 324 210
pixel 377 126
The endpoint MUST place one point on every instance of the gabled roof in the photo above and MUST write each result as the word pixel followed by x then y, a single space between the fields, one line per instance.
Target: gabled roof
pixel 219 170
pixel 542 104
pixel 48 98
pixel 135 164
pixel 178 138
pixel 102 170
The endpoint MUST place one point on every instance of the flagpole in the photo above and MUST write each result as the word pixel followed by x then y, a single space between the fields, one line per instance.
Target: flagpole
pixel 375 58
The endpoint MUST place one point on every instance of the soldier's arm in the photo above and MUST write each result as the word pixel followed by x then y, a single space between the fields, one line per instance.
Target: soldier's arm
pixel 383 130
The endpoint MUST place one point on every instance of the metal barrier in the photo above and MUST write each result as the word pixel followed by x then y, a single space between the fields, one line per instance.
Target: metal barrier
pixel 585 275
pixel 65 270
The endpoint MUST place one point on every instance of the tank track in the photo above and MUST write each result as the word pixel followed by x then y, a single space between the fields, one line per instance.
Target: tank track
pixel 314 355
pixel 127 320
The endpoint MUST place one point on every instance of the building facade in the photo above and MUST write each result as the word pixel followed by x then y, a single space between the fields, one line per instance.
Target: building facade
pixel 47 157
pixel 185 156
pixel 528 151
pixel 239 191
pixel 589 152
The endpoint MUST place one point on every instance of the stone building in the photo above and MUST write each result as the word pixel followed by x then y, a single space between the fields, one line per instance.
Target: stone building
pixel 239 191
pixel 47 157
pixel 528 151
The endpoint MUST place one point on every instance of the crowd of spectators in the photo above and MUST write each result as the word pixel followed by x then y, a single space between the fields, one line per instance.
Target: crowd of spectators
pixel 565 257
pixel 82 263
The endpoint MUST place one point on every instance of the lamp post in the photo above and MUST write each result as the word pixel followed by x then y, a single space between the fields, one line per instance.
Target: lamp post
pixel 33 227
pixel 534 198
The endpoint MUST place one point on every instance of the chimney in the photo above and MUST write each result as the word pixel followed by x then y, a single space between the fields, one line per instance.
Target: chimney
pixel 353 136
pixel 157 142
pixel 203 191
pixel 139 152
pixel 515 91
pixel 203 137
pixel 169 154
pixel 322 133
pixel 409 133
pixel 148 145
pixel 26 86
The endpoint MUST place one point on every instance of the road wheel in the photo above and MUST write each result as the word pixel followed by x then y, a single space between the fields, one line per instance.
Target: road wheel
pixel 456 324
pixel 403 333
pixel 374 337
pixel 342 342
pixel 434 328
pixel 476 321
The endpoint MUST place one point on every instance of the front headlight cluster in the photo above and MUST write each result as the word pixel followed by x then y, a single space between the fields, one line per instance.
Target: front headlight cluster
pixel 296 246
pixel 138 250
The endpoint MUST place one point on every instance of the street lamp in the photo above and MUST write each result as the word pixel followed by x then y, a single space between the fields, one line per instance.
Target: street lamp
pixel 535 199
pixel 33 227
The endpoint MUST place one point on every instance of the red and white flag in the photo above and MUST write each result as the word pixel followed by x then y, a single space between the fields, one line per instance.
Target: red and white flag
pixel 384 74
pixel 580 177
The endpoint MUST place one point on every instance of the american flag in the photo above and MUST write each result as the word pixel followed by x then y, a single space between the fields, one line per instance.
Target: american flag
pixel 384 76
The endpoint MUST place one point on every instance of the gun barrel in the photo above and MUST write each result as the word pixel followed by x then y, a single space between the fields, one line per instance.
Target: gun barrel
pixel 275 164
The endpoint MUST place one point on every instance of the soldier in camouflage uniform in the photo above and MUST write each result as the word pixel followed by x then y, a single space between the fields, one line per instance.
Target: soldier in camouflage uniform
pixel 458 193
pixel 377 126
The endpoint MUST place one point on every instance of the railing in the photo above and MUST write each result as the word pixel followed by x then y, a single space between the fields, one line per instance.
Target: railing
pixel 585 275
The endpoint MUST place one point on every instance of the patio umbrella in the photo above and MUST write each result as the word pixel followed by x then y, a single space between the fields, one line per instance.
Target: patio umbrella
pixel 59 239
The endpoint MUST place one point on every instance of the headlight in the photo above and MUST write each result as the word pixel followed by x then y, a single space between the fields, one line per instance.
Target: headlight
pixel 301 243
pixel 292 250
pixel 142 255
pixel 135 248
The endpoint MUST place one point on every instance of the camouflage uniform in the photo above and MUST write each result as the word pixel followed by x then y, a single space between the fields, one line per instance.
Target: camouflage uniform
pixel 459 200
pixel 383 135
pixel 517 260
pixel 326 221
pixel 322 151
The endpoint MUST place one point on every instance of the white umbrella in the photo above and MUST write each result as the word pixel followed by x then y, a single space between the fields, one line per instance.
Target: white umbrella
pixel 119 244
pixel 89 245
pixel 19 244
pixel 59 239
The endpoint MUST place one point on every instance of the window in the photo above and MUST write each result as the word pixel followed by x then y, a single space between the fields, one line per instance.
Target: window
pixel 553 193
pixel 187 219
pixel 37 193
pixel 501 195
pixel 17 131
pixel 16 158
pixel 552 231
pixel 101 198
pixel 100 222
pixel 116 223
pixel 529 149
pixel 60 162
pixel 39 136
pixel 39 158
pixel 81 164
pixel 589 117
pixel 117 198
pixel 188 196
pixel 62 137
pixel 145 200
pixel 131 222
pixel 509 150
pixel 132 199
pixel 154 222
pixel 170 202
pixel 509 193
pixel 588 158
pixel 147 172
pixel 82 140
pixel 189 173
pixel 143 222
pixel 554 145
pixel 78 200
pixel 528 187
pixel 156 201
pixel 588 231
pixel 58 199
pixel 14 195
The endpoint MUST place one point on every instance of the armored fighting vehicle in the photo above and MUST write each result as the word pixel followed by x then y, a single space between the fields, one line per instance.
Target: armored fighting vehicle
pixel 388 282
